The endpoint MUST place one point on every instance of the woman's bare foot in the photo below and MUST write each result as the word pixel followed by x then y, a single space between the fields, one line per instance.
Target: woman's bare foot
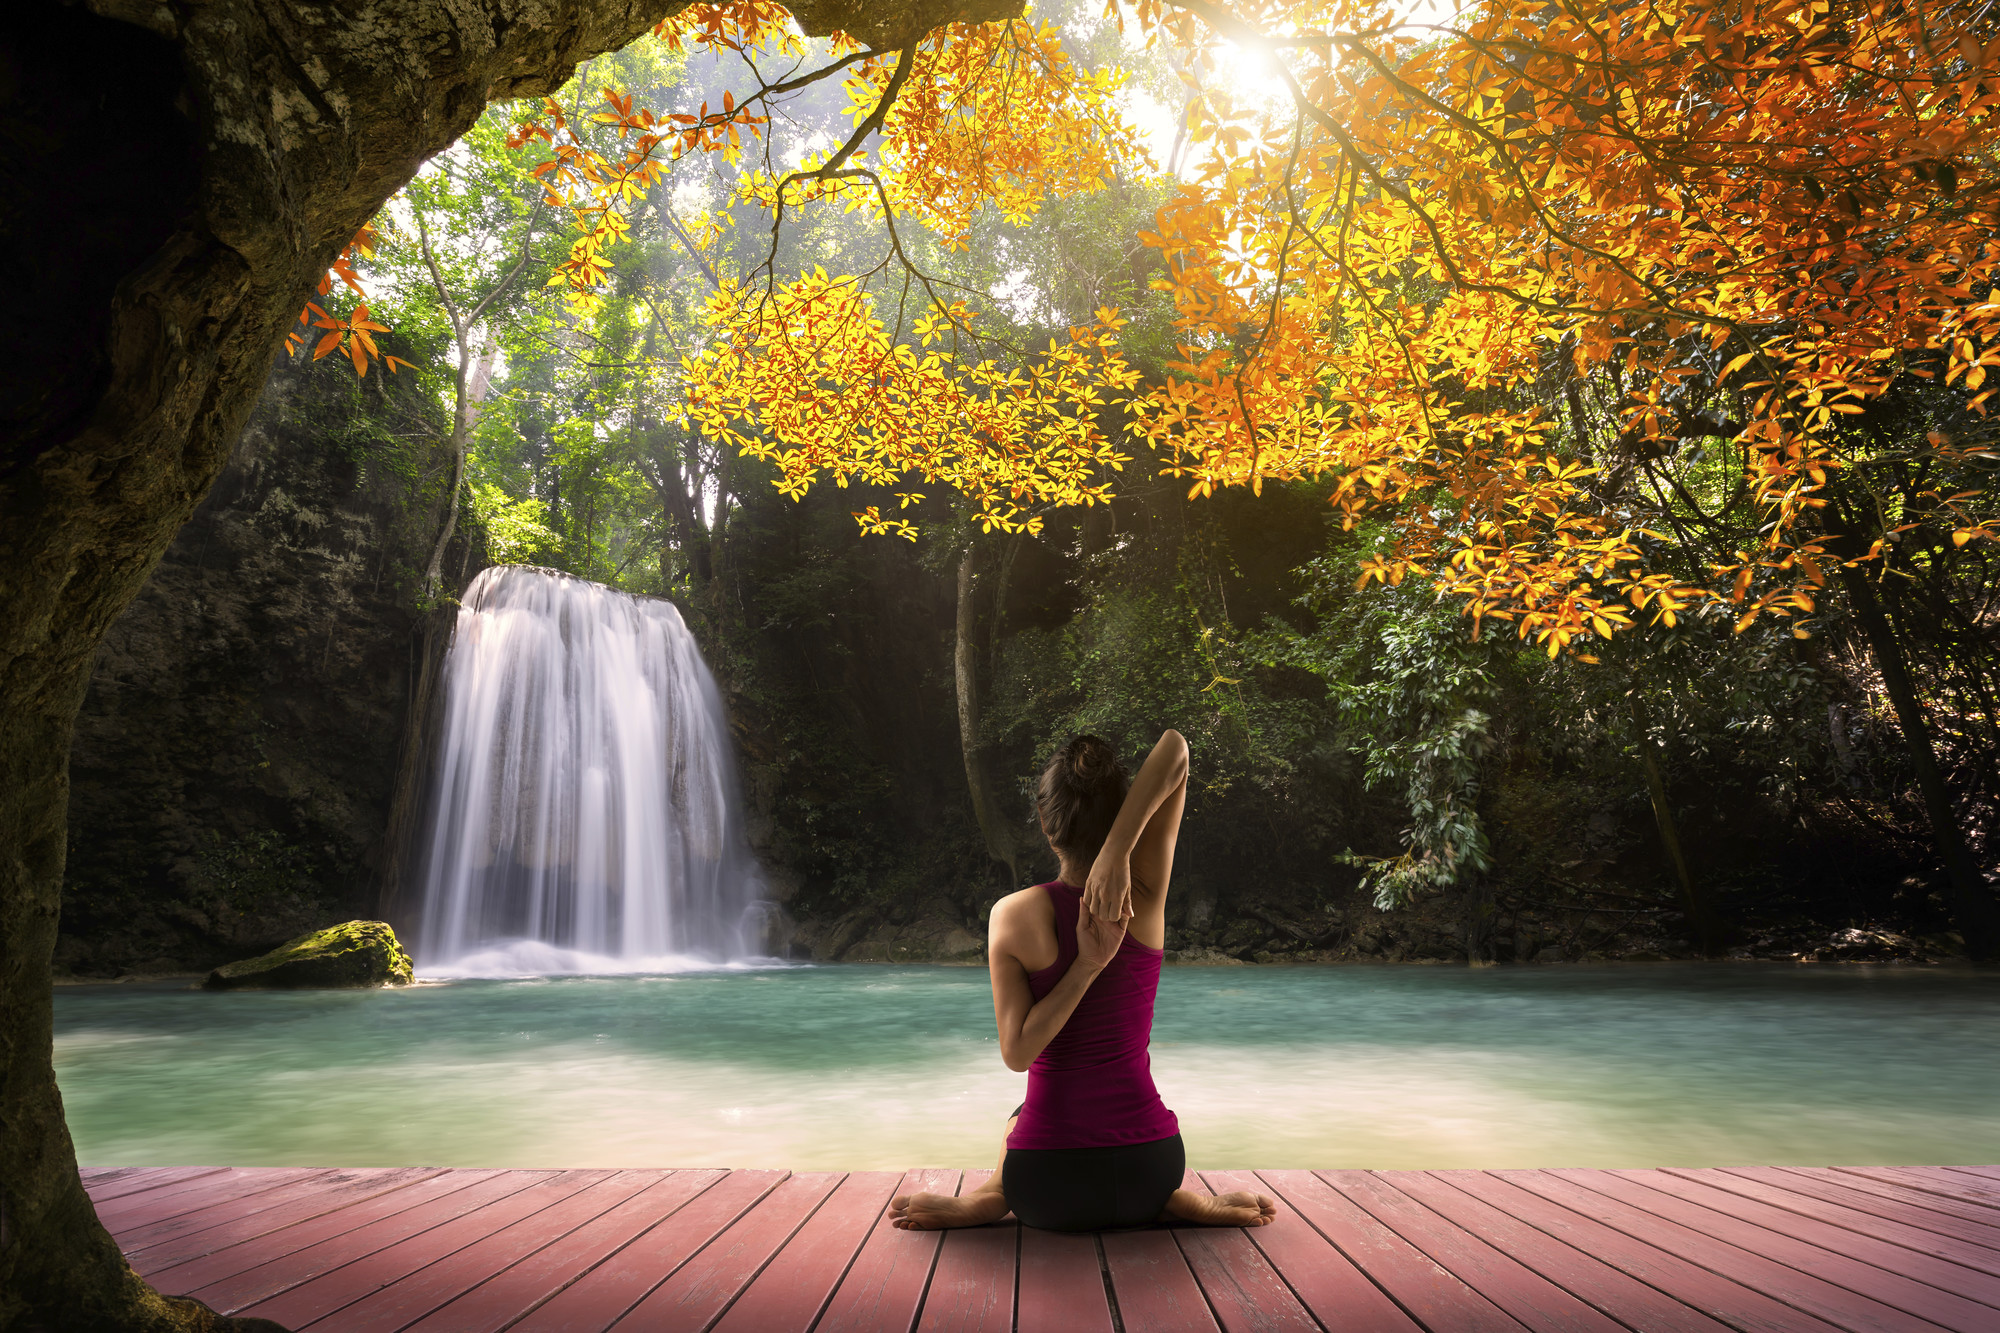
pixel 933 1212
pixel 1238 1208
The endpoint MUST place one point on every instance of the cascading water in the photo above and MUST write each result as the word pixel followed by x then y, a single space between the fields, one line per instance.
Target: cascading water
pixel 583 817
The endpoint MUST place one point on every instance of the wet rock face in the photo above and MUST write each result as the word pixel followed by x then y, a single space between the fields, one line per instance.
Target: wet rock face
pixel 234 761
pixel 355 953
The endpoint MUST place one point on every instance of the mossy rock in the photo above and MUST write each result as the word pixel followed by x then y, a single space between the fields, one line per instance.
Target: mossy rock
pixel 354 953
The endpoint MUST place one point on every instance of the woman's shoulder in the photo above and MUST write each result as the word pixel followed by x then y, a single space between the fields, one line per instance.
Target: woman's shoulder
pixel 1022 925
pixel 1023 910
pixel 1030 902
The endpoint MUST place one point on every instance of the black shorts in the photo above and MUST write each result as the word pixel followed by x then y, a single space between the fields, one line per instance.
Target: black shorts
pixel 1093 1189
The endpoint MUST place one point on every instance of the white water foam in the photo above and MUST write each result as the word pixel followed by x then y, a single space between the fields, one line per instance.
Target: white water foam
pixel 516 959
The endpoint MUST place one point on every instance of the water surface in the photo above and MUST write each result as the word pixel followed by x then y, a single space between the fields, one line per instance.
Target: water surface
pixel 880 1067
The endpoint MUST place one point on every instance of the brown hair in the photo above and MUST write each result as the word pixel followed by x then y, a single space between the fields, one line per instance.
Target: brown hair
pixel 1079 795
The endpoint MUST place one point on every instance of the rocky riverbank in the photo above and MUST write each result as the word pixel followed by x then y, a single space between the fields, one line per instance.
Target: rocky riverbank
pixel 1425 934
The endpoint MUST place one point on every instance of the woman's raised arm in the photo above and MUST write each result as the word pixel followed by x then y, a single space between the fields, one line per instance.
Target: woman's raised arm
pixel 1139 850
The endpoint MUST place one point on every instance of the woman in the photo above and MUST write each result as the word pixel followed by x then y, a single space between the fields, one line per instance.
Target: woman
pixel 1074 971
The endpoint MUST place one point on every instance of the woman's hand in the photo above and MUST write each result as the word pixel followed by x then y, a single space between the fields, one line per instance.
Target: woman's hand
pixel 1107 891
pixel 1097 940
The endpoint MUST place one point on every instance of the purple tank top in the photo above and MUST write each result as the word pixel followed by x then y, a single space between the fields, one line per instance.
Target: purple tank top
pixel 1092 1086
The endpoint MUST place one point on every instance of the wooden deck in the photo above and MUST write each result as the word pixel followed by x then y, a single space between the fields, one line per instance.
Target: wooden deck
pixel 1758 1249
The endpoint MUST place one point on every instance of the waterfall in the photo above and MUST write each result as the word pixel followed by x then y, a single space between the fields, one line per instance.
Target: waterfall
pixel 584 813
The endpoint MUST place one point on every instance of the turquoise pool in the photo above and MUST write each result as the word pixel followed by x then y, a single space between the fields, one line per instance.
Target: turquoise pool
pixel 880 1067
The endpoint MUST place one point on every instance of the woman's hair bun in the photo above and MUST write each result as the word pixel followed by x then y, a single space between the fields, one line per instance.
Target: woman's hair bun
pixel 1079 796
pixel 1090 759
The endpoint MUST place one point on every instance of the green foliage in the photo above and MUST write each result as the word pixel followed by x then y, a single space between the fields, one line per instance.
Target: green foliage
pixel 1149 647
pixel 1415 698
pixel 517 532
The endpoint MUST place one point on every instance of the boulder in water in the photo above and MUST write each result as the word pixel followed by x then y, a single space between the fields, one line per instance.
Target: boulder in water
pixel 354 953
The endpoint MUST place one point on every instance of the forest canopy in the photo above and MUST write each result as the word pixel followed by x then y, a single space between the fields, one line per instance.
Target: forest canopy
pixel 1548 287
pixel 1583 320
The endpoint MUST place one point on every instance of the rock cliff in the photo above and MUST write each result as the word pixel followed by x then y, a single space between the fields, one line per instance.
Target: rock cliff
pixel 236 759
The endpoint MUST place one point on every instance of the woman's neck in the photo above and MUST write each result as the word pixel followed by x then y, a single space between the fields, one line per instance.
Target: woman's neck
pixel 1073 874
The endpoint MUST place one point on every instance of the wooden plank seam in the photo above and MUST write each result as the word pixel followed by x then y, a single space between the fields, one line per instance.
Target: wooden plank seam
pixel 1276 1272
pixel 1359 1267
pixel 634 1239
pixel 826 1301
pixel 1110 1291
pixel 930 1276
pixel 779 1249
pixel 693 1254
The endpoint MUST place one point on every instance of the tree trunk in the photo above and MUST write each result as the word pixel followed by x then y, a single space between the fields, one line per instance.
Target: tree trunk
pixel 965 673
pixel 1476 918
pixel 690 534
pixel 470 388
pixel 1972 901
pixel 721 575
pixel 1002 584
pixel 1700 911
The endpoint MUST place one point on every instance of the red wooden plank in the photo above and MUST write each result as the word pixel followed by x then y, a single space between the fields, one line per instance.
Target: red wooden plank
pixel 704 1286
pixel 884 1286
pixel 1589 1279
pixel 1244 1292
pixel 276 1273
pixel 1976 1214
pixel 161 1205
pixel 496 1248
pixel 1828 1253
pixel 1412 1279
pixel 1337 1293
pixel 151 1178
pixel 796 1285
pixel 498 1302
pixel 1921 1211
pixel 599 1298
pixel 1835 1304
pixel 99 1178
pixel 279 1185
pixel 1152 1284
pixel 1866 1223
pixel 1988 1172
pixel 305 1302
pixel 1532 1299
pixel 1944 1186
pixel 179 1276
pixel 972 1288
pixel 1976 1187
pixel 181 1238
pixel 1743 1307
pixel 1062 1285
